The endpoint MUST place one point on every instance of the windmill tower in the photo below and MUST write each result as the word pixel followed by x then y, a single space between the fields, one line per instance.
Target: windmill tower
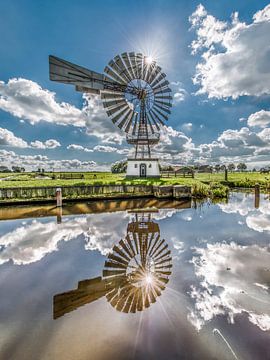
pixel 136 96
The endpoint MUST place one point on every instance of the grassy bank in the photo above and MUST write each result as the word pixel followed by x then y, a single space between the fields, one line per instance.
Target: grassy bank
pixel 204 184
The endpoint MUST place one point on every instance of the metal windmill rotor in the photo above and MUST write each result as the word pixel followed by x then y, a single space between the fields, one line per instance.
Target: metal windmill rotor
pixel 134 93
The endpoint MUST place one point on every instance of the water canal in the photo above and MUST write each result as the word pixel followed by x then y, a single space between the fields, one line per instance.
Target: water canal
pixel 136 279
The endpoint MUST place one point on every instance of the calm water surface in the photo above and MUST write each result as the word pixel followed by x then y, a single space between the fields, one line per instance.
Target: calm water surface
pixel 136 279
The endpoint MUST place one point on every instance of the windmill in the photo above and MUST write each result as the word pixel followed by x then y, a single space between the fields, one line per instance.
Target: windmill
pixel 136 96
pixel 135 272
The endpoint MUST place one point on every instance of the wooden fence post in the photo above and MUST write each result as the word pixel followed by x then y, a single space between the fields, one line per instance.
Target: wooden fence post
pixel 58 197
pixel 257 196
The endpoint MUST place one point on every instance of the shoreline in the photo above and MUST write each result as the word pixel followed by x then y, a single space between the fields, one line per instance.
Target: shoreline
pixel 31 195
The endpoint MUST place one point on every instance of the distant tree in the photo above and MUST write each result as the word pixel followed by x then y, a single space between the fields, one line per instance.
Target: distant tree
pixel 17 169
pixel 254 169
pixel 241 166
pixel 222 167
pixel 217 167
pixel 119 167
pixel 4 169
pixel 231 167
pixel 43 171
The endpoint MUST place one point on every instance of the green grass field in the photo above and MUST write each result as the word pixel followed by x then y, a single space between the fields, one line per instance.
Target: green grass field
pixel 245 179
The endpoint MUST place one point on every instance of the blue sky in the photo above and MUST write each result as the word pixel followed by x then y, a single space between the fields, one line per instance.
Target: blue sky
pixel 233 77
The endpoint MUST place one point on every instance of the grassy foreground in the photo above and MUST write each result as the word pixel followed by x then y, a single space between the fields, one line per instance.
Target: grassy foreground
pixel 204 184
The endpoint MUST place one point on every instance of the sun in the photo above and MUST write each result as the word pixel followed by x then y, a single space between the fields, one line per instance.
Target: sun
pixel 149 59
pixel 148 279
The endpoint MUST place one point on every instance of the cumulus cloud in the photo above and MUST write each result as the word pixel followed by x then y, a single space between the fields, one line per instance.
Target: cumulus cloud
pixel 235 55
pixel 174 145
pixel 32 162
pixel 187 126
pixel 78 147
pixel 7 138
pixel 27 100
pixel 48 144
pixel 255 219
pixel 98 124
pixel 31 241
pixel 99 148
pixel 236 145
pixel 180 93
pixel 229 277
pixel 260 118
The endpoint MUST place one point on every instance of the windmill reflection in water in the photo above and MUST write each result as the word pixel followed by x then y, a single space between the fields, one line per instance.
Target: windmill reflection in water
pixel 134 275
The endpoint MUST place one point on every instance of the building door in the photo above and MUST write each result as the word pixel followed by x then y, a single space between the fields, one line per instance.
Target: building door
pixel 142 170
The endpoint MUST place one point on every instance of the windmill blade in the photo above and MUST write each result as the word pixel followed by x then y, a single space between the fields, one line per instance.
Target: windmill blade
pixel 154 121
pixel 118 70
pixel 164 116
pixel 132 57
pixel 160 85
pixel 163 108
pixel 111 264
pixel 111 112
pixel 162 90
pixel 119 115
pixel 118 259
pixel 154 74
pixel 66 72
pixel 148 120
pixel 110 103
pixel 128 122
pixel 135 124
pixel 138 64
pixel 126 118
pixel 160 76
pixel 120 252
pixel 113 272
pixel 121 65
pixel 114 76
pixel 153 113
pixel 163 103
pixel 128 66
pixel 168 97
pixel 111 95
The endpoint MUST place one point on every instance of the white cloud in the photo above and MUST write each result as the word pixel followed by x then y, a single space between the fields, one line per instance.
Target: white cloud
pixel 48 144
pixel 98 124
pixel 78 147
pixel 235 56
pixel 99 148
pixel 27 100
pixel 237 145
pixel 7 138
pixel 33 162
pixel 30 242
pixel 187 126
pixel 180 93
pixel 229 274
pixel 260 118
